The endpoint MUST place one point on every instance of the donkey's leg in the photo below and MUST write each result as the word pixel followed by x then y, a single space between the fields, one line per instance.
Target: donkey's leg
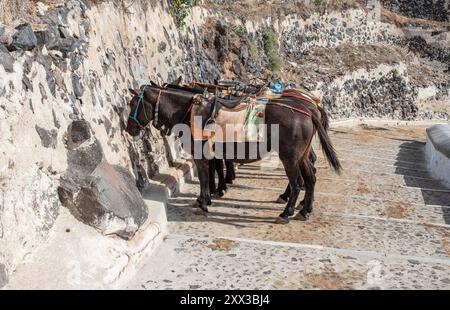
pixel 311 161
pixel 283 198
pixel 222 187
pixel 212 176
pixel 310 182
pixel 293 172
pixel 204 200
pixel 231 176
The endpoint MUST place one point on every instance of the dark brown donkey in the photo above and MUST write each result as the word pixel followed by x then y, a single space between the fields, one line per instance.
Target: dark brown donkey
pixel 296 128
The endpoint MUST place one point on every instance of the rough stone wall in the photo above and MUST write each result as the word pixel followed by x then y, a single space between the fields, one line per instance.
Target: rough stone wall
pixel 426 9
pixel 77 63
pixel 360 64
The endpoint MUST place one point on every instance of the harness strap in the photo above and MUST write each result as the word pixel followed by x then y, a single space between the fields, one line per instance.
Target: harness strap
pixel 136 111
pixel 290 107
pixel 301 97
pixel 155 120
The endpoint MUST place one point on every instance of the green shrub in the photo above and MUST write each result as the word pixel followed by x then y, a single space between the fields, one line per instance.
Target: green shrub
pixel 241 31
pixel 320 2
pixel 181 9
pixel 271 46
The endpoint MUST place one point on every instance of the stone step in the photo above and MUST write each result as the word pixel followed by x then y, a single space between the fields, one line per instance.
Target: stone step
pixel 361 137
pixel 341 230
pixel 373 153
pixel 230 263
pixel 352 175
pixel 408 195
pixel 358 164
pixel 364 158
pixel 352 206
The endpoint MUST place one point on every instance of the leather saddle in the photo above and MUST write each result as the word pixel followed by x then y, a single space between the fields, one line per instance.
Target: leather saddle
pixel 231 103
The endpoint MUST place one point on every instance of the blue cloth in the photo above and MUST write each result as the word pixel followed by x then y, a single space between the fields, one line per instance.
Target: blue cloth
pixel 276 88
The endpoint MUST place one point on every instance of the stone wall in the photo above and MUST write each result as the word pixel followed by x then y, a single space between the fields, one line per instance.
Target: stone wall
pixel 76 64
pixel 426 9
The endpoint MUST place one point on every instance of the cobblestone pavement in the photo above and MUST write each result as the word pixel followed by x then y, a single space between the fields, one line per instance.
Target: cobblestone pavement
pixel 383 224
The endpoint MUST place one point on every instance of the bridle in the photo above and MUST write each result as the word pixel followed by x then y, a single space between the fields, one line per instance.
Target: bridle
pixel 135 115
pixel 156 124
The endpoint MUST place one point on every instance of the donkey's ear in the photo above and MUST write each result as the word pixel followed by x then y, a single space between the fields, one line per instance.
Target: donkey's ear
pixel 133 91
pixel 177 81
pixel 154 84
pixel 206 93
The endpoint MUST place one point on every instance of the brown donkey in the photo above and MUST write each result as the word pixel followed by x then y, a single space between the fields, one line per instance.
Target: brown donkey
pixel 296 128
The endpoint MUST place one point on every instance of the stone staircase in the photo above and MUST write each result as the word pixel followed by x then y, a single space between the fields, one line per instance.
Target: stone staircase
pixel 383 224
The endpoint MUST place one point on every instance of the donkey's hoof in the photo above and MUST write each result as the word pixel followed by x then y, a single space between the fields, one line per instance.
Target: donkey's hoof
pixel 281 200
pixel 201 212
pixel 301 205
pixel 229 181
pixel 301 217
pixel 282 220
pixel 201 208
pixel 218 194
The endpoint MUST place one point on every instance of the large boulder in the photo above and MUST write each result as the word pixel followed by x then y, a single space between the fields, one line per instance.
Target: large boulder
pixel 57 38
pixel 24 38
pixel 97 193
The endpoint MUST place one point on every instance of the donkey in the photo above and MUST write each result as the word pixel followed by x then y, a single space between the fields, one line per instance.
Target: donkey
pixel 216 165
pixel 296 128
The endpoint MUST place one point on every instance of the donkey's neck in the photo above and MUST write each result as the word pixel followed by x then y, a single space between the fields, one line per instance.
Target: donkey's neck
pixel 174 106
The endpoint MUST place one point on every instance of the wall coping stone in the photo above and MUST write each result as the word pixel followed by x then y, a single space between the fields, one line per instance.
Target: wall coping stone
pixel 439 136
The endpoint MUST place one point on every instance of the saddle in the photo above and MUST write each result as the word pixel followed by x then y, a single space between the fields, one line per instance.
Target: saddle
pixel 227 120
pixel 231 103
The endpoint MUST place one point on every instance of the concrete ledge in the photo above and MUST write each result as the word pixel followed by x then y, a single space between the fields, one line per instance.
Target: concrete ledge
pixel 169 182
pixel 438 152
pixel 439 136
pixel 382 121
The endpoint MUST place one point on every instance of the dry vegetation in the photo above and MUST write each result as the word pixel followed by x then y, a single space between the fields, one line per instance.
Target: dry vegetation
pixel 262 8
pixel 15 12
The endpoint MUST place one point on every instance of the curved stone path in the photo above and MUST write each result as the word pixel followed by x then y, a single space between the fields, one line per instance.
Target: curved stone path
pixel 383 224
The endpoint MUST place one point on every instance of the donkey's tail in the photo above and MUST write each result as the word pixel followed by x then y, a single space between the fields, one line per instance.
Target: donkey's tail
pixel 327 146
pixel 324 118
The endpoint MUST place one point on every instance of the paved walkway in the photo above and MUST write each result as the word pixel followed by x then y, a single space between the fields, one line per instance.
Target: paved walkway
pixel 384 223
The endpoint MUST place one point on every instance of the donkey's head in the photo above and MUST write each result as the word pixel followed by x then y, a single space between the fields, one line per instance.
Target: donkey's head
pixel 142 109
pixel 165 107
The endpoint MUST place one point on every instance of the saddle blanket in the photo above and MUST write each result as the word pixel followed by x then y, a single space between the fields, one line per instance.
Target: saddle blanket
pixel 244 123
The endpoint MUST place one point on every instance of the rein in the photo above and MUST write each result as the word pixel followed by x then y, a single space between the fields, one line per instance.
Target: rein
pixel 155 120
pixel 135 114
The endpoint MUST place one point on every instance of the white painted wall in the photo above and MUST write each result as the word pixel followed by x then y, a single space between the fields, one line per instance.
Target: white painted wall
pixel 437 163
